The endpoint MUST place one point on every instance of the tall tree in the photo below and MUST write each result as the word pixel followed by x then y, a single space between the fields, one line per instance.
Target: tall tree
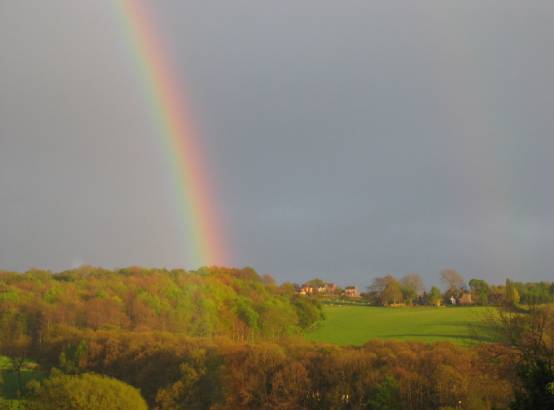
pixel 387 290
pixel 16 343
pixel 479 291
pixel 435 296
pixel 512 294
pixel 452 279
pixel 412 286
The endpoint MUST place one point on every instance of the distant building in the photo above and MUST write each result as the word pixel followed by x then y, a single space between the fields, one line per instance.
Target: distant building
pixel 324 289
pixel 327 289
pixel 466 299
pixel 351 292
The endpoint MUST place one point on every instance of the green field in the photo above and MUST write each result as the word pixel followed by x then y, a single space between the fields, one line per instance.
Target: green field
pixel 355 325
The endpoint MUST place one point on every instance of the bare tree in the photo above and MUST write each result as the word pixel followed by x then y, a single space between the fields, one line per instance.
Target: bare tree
pixel 452 279
pixel 413 282
pixel 412 286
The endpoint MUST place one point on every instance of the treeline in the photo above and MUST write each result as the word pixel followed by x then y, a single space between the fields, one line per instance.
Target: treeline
pixel 179 372
pixel 410 290
pixel 237 303
pixel 175 372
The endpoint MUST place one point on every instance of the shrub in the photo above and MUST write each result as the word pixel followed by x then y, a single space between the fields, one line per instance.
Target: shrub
pixel 87 392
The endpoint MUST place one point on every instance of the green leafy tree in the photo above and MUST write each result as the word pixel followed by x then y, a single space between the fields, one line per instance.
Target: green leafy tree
pixel 435 296
pixel 308 310
pixel 387 290
pixel 16 343
pixel 87 392
pixel 479 291
pixel 73 358
pixel 247 313
pixel 511 297
pixel 386 396
pixel 197 387
pixel 412 286
pixel 392 294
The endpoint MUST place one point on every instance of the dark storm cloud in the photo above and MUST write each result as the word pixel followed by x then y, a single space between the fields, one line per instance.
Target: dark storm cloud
pixel 349 138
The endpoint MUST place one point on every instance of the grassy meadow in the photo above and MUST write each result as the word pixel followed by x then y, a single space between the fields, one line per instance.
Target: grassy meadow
pixel 355 325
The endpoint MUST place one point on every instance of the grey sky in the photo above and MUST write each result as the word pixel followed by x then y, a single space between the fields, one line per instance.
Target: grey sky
pixel 349 138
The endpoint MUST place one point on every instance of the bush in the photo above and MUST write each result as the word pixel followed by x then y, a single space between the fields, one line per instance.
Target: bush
pixel 87 392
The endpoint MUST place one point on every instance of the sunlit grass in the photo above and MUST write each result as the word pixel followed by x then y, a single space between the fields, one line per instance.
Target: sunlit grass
pixel 355 325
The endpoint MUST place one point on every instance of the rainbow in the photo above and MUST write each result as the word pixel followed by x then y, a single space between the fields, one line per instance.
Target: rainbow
pixel 204 239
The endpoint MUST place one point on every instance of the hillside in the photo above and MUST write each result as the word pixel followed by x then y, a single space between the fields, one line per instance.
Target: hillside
pixel 355 325
pixel 237 303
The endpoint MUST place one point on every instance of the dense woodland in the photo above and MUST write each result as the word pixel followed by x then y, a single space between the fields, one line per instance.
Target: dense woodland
pixel 211 302
pixel 223 338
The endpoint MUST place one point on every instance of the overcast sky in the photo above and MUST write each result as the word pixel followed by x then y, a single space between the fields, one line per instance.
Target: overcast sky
pixel 349 138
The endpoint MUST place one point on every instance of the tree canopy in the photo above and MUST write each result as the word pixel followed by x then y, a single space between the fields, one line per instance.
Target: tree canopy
pixel 86 392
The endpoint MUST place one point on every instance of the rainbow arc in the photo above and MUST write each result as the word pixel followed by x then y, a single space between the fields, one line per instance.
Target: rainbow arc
pixel 194 184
